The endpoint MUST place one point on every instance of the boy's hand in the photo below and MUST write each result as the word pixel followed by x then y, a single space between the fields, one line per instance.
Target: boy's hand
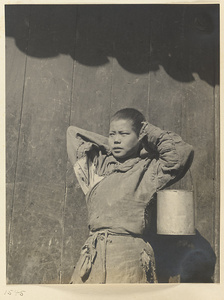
pixel 149 147
pixel 143 132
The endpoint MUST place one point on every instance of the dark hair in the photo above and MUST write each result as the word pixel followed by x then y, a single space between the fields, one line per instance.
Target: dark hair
pixel 130 114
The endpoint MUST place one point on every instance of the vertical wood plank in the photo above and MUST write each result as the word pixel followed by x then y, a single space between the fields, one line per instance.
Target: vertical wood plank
pixel 217 181
pixel 199 114
pixel 37 225
pixel 165 111
pixel 216 54
pixel 166 93
pixel 187 107
pixel 92 75
pixel 90 109
pixel 16 25
pixel 131 50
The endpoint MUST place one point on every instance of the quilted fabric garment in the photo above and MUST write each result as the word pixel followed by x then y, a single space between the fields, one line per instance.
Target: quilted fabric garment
pixel 117 196
pixel 108 257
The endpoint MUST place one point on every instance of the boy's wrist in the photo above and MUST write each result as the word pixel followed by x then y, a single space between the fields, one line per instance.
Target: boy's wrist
pixel 152 132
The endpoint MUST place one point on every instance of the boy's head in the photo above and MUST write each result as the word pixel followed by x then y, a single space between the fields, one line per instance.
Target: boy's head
pixel 124 139
pixel 132 115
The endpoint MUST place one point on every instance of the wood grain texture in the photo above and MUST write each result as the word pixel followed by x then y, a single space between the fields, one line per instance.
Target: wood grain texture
pixel 90 109
pixel 15 74
pixel 36 234
pixel 216 235
pixel 37 219
pixel 191 106
pixel 198 110
pixel 131 48
pixel 167 94
pixel 92 84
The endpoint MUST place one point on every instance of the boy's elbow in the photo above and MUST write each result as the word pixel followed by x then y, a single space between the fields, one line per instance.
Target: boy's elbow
pixel 187 160
pixel 185 163
pixel 72 143
pixel 72 132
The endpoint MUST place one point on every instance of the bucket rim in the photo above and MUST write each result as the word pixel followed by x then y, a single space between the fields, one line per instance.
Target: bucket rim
pixel 175 190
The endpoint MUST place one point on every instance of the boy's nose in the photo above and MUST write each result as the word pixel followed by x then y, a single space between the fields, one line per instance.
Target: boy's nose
pixel 117 139
pixel 117 142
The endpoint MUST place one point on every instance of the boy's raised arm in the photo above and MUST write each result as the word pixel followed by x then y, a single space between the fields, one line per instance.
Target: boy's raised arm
pixel 80 141
pixel 174 155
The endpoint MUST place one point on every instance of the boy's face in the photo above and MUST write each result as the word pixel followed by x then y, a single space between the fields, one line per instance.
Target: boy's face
pixel 123 140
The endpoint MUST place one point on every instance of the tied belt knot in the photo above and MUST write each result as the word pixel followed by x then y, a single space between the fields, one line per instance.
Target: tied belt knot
pixel 89 253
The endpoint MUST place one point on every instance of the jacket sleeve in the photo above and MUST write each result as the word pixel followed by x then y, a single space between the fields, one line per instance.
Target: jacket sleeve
pixel 84 148
pixel 174 156
pixel 80 142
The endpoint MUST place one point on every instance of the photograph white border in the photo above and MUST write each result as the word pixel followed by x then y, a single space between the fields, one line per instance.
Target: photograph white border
pixel 123 291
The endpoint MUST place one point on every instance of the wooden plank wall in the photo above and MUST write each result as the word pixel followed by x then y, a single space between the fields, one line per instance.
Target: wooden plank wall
pixel 76 65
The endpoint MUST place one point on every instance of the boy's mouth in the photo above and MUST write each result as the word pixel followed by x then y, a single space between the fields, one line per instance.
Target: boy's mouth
pixel 117 148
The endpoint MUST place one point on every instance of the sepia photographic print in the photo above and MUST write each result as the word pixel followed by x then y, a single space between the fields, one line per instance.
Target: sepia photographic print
pixel 112 143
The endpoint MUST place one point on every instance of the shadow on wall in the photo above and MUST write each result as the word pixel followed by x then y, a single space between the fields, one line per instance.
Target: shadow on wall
pixel 181 258
pixel 191 259
pixel 183 39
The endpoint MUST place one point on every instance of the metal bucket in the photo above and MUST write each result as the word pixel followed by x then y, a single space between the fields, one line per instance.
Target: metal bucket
pixel 175 212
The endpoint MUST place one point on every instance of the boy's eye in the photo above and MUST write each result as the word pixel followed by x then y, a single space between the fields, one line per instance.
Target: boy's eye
pixel 121 133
